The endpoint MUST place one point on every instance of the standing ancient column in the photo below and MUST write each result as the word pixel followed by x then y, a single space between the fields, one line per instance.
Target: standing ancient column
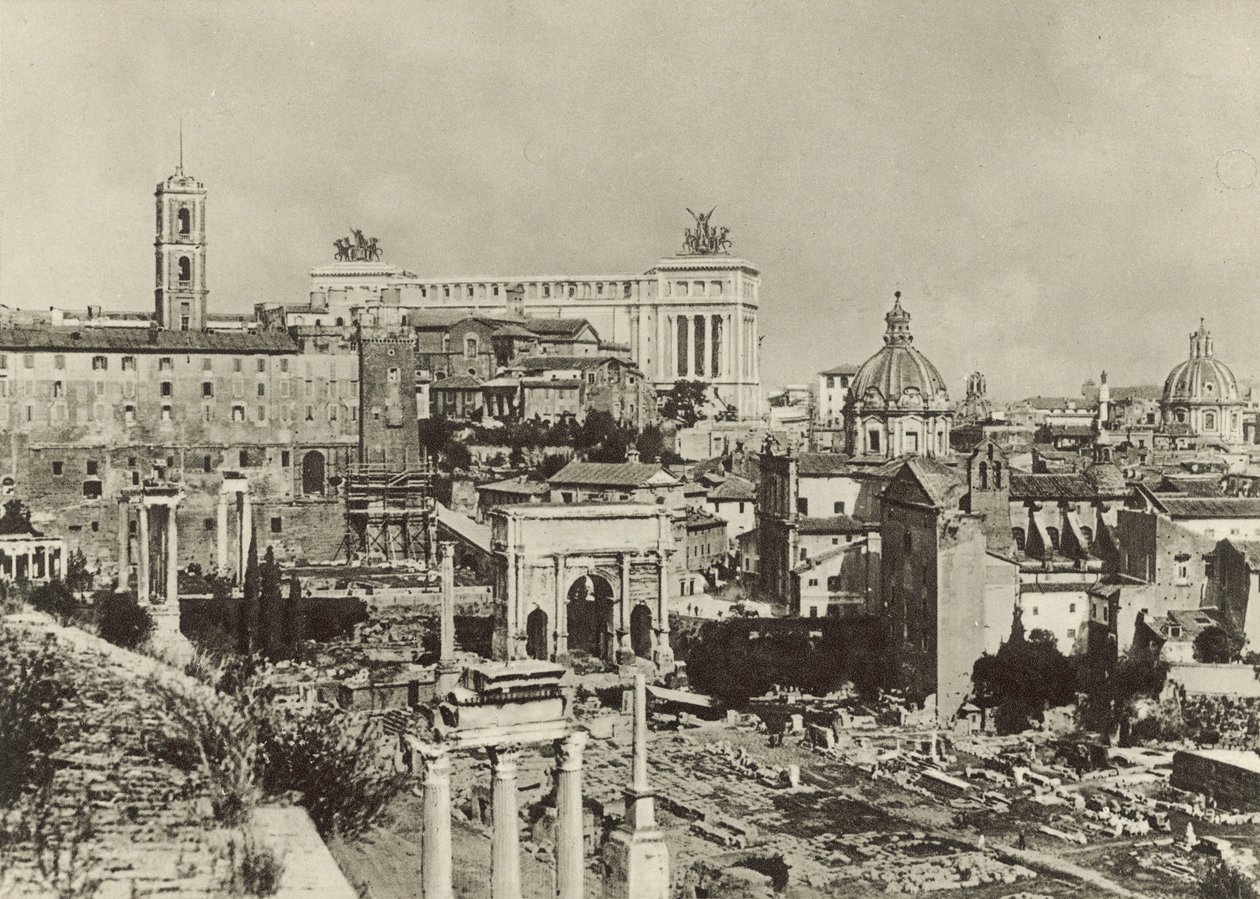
pixel 436 845
pixel 221 534
pixel 246 525
pixel 124 539
pixel 570 852
pixel 505 851
pixel 172 557
pixel 562 610
pixel 142 564
pixel 448 670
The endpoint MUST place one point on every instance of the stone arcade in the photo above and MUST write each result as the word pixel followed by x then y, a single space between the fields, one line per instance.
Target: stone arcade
pixel 582 578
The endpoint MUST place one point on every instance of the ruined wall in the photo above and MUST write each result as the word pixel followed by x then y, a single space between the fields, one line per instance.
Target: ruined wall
pixel 388 435
pixel 960 610
pixel 1231 777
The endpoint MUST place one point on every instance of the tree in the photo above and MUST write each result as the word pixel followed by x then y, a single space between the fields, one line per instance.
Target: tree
pixel 685 402
pixel 1217 645
pixel 16 518
pixel 78 577
pixel 293 614
pixel 1025 677
pixel 596 429
pixel 650 444
pixel 55 599
pixel 269 600
pixel 121 620
pixel 1223 881
pixel 249 609
pixel 551 464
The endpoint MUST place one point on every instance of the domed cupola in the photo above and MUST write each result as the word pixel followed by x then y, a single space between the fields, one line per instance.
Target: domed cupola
pixel 1201 398
pixel 898 402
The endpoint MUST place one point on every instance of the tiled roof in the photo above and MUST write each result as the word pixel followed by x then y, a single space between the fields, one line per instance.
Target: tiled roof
pixel 844 368
pixel 1070 430
pixel 144 340
pixel 938 479
pixel 1026 486
pixel 557 327
pixel 735 488
pixel 1191 486
pixel 517 486
pixel 1210 507
pixel 551 382
pixel 607 474
pixel 1055 402
pixel 1249 548
pixel 1178 429
pixel 457 382
pixel 819 464
pixel 834 524
pixel 544 362
pixel 1107 479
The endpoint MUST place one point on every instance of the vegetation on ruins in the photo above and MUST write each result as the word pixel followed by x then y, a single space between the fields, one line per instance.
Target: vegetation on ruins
pixel 738 659
pixel 1025 677
pixel 121 620
pixel 1223 881
pixel 31 692
pixel 253 869
pixel 56 599
pixel 1217 645
pixel 685 402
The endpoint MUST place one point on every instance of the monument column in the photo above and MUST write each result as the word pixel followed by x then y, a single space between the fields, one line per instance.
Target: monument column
pixel 505 850
pixel 172 556
pixel 221 534
pixel 246 533
pixel 124 574
pixel 448 670
pixel 624 649
pixel 436 840
pixel 142 563
pixel 570 854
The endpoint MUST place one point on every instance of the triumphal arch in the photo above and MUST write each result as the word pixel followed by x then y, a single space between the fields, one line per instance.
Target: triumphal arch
pixel 582 579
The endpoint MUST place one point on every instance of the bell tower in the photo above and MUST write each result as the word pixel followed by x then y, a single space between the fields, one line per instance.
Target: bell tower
pixel 180 251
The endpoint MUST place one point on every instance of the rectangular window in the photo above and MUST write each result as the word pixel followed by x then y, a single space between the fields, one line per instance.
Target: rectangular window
pixel 99 363
pixel 813 582
pixel 207 388
pixel 262 365
pixel 262 413
pixel 93 466
pixel 207 464
pixel 802 505
pixel 262 389
pixel 838 508
pixel 276 524
pixel 59 361
pixel 284 366
pixel 236 364
pixel 207 364
pixel 100 388
pixel 128 363
pixel 57 468
pixel 1071 633
pixel 166 388
pixel 284 458
pixel 164 363
pixel 28 360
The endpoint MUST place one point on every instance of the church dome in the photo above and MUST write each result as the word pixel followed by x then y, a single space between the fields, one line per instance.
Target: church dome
pixel 899 375
pixel 1202 378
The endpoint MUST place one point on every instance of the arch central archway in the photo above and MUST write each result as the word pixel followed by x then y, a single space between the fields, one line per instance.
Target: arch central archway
pixel 313 473
pixel 589 616
pixel 537 641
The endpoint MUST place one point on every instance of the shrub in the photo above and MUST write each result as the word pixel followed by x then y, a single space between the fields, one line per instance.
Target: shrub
pixel 253 869
pixel 122 621
pixel 1223 881
pixel 335 770
pixel 31 692
pixel 56 599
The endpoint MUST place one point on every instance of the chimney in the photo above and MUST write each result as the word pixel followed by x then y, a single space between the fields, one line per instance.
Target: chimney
pixel 632 455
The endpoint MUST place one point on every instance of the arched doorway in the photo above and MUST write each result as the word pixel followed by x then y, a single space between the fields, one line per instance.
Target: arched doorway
pixel 589 614
pixel 536 642
pixel 313 473
pixel 641 631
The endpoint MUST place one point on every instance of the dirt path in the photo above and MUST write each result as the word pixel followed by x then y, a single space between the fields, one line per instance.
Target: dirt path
pixel 1033 859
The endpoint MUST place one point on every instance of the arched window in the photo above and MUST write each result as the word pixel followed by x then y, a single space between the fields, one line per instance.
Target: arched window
pixel 185 220
pixel 997 474
pixel 1180 416
pixel 1053 534
pixel 1087 534
pixel 984 476
pixel 393 376
pixel 1209 421
pixel 1017 534
pixel 185 268
pixel 313 473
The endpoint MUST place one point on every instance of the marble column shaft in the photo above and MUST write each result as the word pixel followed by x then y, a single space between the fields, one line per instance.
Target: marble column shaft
pixel 142 564
pixel 570 846
pixel 505 849
pixel 172 556
pixel 436 841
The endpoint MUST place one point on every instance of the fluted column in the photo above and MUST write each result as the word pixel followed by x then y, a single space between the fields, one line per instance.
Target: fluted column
pixel 172 556
pixel 142 563
pixel 570 853
pixel 505 849
pixel 562 610
pixel 221 534
pixel 436 841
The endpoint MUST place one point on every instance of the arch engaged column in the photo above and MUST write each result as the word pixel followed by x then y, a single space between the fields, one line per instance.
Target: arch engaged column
pixel 562 610
pixel 505 850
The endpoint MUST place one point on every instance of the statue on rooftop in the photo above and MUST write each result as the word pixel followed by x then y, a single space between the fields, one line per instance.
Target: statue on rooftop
pixel 705 239
pixel 357 248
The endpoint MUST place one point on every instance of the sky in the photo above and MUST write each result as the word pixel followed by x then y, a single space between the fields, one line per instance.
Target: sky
pixel 1056 189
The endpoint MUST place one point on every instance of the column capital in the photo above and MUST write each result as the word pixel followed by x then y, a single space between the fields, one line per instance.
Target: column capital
pixel 569 750
pixel 504 758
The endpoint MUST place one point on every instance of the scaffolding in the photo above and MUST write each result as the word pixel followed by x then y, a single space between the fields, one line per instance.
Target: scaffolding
pixel 389 513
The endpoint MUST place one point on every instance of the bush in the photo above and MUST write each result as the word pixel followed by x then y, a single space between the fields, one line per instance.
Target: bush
pixel 1223 881
pixel 335 770
pixel 31 692
pixel 122 621
pixel 253 869
pixel 56 599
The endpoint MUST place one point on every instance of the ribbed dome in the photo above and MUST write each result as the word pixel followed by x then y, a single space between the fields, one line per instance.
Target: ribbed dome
pixel 899 375
pixel 1201 378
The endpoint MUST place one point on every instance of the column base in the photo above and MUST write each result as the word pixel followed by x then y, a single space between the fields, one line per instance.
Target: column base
pixel 166 637
pixel 448 674
pixel 636 865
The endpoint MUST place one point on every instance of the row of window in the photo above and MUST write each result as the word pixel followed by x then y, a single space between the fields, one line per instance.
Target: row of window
pixel 58 413
pixel 128 363
pixel 802 506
